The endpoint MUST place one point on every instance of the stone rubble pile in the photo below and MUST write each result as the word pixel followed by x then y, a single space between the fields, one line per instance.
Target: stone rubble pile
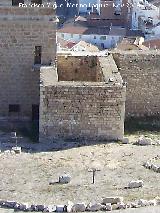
pixel 145 141
pixel 14 150
pixel 107 204
pixel 152 164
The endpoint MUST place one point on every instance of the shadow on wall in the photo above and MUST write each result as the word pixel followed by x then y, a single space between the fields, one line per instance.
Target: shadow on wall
pixel 28 129
pixel 142 125
pixel 146 123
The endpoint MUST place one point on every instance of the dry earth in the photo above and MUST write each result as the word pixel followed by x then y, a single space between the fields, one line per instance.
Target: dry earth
pixel 26 177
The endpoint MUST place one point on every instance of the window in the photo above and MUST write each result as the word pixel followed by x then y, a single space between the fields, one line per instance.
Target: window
pixel 14 108
pixel 36 1
pixel 37 56
pixel 89 8
pixel 117 13
pixel 102 45
pixel 103 38
pixel 94 37
pixel 17 2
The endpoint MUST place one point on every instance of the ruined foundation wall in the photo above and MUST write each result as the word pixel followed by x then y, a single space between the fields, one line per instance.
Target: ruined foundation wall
pixel 79 68
pixel 21 30
pixel 141 71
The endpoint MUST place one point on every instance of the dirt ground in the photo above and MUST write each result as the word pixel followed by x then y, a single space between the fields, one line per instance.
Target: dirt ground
pixel 26 177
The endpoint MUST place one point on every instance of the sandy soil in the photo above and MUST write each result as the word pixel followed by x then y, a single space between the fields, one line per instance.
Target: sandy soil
pixel 26 177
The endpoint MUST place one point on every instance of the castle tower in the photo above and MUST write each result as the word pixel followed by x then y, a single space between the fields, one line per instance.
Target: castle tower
pixel 27 42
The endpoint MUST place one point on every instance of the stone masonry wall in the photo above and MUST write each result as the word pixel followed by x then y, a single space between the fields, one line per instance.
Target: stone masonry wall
pixel 21 30
pixel 141 71
pixel 80 68
pixel 83 110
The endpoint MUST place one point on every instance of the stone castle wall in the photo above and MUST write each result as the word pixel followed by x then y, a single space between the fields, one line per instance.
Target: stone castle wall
pixel 82 68
pixel 21 30
pixel 79 111
pixel 83 110
pixel 141 71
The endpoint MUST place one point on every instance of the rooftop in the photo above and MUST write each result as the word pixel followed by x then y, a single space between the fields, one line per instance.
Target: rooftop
pixel 152 44
pixel 84 30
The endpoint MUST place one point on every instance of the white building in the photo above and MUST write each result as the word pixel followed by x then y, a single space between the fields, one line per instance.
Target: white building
pixel 104 38
pixel 141 8
pixel 153 32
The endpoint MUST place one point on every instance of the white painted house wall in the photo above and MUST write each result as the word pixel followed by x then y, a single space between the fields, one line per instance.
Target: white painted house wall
pixel 156 30
pixel 109 42
pixel 139 10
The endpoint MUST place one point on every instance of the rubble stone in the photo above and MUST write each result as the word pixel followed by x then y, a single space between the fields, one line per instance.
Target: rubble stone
pixel 135 184
pixel 143 203
pixel 147 165
pixel 112 200
pixel 24 206
pixel 60 208
pixel 122 205
pixel 34 208
pixel 64 179
pixel 135 205
pixel 7 152
pixel 10 204
pixel 144 141
pixel 125 140
pixel 69 206
pixel 157 199
pixel 50 208
pixel 95 207
pixel 41 207
pixel 79 207
pixel 152 202
pixel 17 149
pixel 108 207
pixel 154 168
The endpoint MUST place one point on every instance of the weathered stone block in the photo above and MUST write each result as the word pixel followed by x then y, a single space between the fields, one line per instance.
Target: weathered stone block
pixel 112 200
pixel 65 179
pixel 135 184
